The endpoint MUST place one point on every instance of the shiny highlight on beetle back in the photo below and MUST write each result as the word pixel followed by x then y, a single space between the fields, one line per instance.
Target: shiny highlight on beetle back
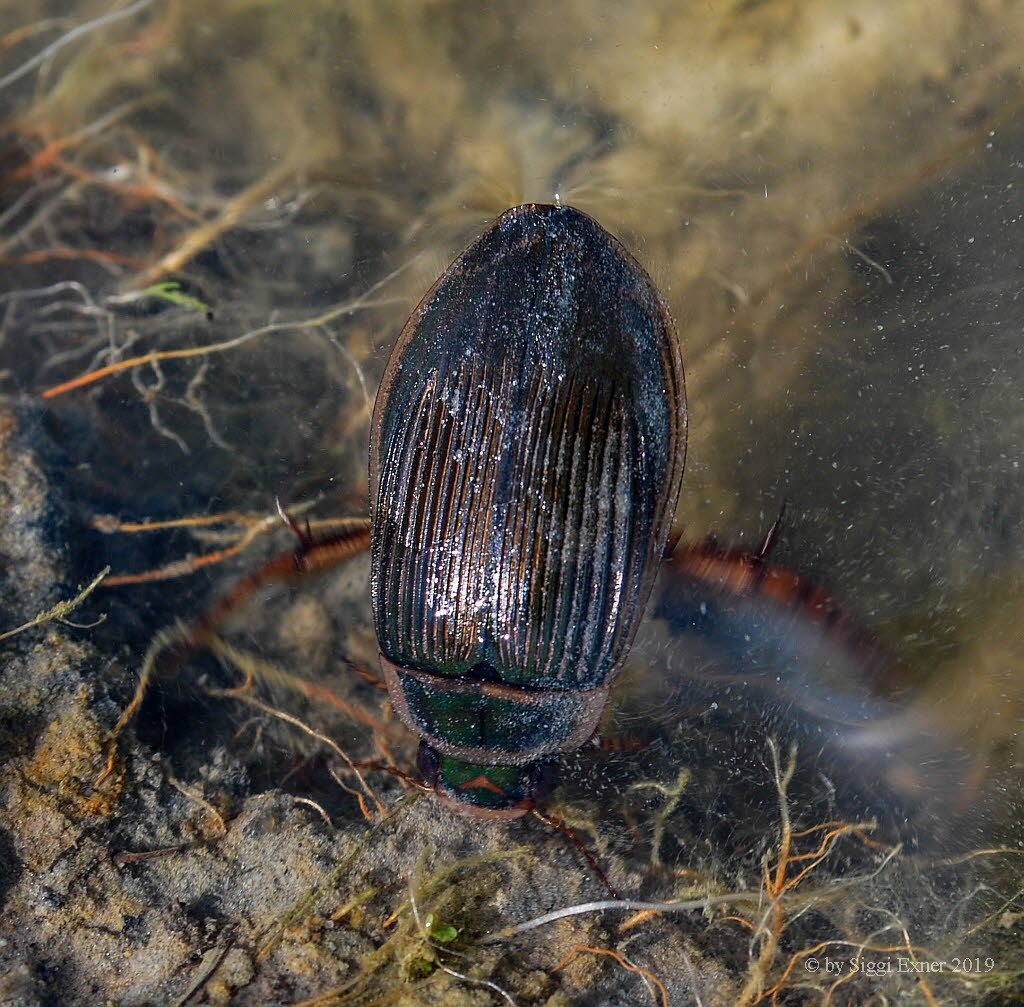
pixel 526 457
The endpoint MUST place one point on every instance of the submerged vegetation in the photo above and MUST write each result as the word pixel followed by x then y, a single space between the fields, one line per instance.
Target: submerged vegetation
pixel 213 221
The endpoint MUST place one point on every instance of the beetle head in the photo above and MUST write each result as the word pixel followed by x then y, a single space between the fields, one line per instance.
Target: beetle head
pixel 497 792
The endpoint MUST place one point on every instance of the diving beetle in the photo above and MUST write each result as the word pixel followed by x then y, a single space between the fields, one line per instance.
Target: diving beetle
pixel 526 454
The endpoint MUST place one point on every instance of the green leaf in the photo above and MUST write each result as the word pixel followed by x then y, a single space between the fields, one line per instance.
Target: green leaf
pixel 443 933
pixel 170 291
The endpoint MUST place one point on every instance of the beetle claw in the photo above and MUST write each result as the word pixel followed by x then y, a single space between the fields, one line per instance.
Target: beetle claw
pixel 772 537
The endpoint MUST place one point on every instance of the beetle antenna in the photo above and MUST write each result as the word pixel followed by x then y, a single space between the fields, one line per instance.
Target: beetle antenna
pixel 558 826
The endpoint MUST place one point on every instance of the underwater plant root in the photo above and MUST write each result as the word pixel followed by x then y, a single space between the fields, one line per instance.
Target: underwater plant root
pixel 253 525
pixel 224 650
pixel 650 977
pixel 61 610
pixel 362 302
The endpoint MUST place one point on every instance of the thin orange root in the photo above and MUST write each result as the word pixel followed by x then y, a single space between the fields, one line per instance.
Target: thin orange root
pixel 622 961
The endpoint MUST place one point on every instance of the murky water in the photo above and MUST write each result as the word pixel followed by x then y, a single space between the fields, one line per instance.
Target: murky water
pixel 215 218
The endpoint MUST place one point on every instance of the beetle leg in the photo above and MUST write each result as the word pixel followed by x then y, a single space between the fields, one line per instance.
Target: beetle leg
pixel 367 674
pixel 383 767
pixel 311 557
pixel 619 744
pixel 560 826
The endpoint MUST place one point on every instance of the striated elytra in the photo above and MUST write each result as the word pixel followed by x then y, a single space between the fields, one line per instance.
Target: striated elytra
pixel 526 454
